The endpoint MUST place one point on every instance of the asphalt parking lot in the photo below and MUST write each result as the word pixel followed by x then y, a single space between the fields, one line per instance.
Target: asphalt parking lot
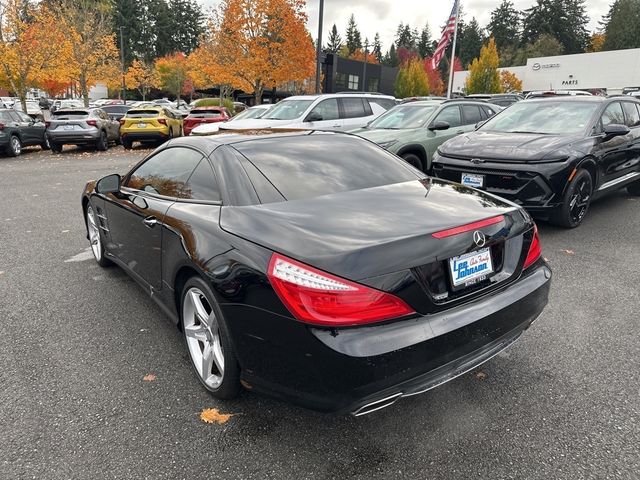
pixel 77 342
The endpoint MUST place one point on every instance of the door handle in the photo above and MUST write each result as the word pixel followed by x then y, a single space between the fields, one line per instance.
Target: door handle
pixel 459 132
pixel 150 222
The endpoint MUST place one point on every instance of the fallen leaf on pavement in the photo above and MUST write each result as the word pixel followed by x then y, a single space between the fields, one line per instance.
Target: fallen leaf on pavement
pixel 481 375
pixel 546 259
pixel 569 252
pixel 212 415
pixel 150 377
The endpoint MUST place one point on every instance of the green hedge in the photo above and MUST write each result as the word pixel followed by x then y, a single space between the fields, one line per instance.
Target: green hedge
pixel 215 102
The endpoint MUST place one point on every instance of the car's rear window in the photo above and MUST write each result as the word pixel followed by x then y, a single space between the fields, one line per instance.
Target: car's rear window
pixel 143 113
pixel 70 114
pixel 205 113
pixel 311 165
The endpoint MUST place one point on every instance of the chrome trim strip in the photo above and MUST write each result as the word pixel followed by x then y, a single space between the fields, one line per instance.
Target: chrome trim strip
pixel 366 409
pixel 616 181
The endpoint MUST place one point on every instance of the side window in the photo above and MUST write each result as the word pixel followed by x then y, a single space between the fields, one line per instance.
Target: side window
pixel 166 172
pixel 487 112
pixel 202 184
pixel 354 108
pixel 471 114
pixel 631 114
pixel 15 116
pixel 451 115
pixel 613 115
pixel 327 109
pixel 24 117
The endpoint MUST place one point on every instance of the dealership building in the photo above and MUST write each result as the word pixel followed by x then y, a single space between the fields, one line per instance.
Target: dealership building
pixel 608 72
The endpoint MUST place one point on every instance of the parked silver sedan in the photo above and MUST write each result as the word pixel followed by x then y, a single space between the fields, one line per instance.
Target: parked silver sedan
pixel 82 126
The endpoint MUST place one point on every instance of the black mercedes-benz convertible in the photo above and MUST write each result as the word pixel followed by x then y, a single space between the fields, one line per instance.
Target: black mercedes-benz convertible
pixel 317 267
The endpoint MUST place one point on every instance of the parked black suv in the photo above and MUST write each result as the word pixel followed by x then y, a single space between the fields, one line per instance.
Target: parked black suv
pixel 553 156
pixel 19 130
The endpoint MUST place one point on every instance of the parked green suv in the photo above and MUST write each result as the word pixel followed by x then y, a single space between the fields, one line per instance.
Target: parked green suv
pixel 415 130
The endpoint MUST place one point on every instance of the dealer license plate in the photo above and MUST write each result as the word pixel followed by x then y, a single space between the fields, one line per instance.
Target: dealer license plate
pixel 68 127
pixel 472 180
pixel 142 125
pixel 471 267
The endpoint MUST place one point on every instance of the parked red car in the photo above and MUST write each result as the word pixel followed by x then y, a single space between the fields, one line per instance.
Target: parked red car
pixel 200 115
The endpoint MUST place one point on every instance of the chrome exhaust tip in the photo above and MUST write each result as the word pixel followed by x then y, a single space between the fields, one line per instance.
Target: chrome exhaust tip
pixel 377 405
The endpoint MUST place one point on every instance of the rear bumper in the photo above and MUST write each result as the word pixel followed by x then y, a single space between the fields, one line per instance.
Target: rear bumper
pixel 145 136
pixel 73 137
pixel 359 370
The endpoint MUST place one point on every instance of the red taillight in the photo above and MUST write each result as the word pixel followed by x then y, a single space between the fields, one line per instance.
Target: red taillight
pixel 320 298
pixel 534 250
pixel 121 122
pixel 1 126
pixel 47 124
pixel 468 227
pixel 93 123
pixel 162 121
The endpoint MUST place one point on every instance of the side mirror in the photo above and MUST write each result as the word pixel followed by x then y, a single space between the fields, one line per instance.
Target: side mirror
pixel 439 125
pixel 314 117
pixel 615 130
pixel 109 184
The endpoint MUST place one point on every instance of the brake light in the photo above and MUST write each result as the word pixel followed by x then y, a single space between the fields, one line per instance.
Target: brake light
pixel 47 124
pixel 1 126
pixel 320 298
pixel 162 121
pixel 93 123
pixel 121 122
pixel 468 227
pixel 535 250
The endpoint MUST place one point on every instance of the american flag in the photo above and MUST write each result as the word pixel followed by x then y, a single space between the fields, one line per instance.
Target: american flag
pixel 447 33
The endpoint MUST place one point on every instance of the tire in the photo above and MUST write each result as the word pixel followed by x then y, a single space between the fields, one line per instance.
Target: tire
pixel 127 144
pixel 576 201
pixel 118 141
pixel 14 149
pixel 207 340
pixel 95 238
pixel 170 133
pixel 413 160
pixel 103 143
pixel 634 189
pixel 56 147
pixel 46 145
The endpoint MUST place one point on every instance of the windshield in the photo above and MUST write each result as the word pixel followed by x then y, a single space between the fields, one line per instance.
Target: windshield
pixel 548 117
pixel 288 110
pixel 404 116
pixel 251 113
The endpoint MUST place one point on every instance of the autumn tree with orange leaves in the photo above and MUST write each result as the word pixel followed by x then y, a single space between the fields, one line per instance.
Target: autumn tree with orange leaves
pixel 173 73
pixel 263 43
pixel 29 45
pixel 143 77
pixel 89 48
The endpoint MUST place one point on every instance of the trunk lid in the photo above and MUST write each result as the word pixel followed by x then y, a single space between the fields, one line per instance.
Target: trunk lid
pixel 376 231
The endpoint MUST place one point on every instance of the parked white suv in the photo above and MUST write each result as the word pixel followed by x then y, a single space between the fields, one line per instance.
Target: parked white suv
pixel 339 111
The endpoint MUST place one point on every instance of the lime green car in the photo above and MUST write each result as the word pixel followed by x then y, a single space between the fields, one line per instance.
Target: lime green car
pixel 415 130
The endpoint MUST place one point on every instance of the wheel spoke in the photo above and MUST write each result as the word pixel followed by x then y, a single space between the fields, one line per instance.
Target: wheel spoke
pixel 207 362
pixel 199 310
pixel 199 332
pixel 218 357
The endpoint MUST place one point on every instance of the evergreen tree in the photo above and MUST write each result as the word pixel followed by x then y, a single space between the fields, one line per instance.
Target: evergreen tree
pixel 159 16
pixel 128 14
pixel 545 46
pixel 566 20
pixel 391 57
pixel 622 25
pixel 470 40
pixel 335 41
pixel 186 20
pixel 377 48
pixel 354 39
pixel 483 72
pixel 425 47
pixel 504 26
pixel 404 37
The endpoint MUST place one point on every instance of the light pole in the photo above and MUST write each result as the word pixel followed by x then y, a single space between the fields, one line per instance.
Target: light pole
pixel 364 66
pixel 124 86
pixel 319 47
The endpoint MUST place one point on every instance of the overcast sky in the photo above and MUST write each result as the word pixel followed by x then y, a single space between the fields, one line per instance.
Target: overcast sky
pixel 384 15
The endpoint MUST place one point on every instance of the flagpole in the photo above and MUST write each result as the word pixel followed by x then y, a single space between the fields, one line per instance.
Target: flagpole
pixel 453 51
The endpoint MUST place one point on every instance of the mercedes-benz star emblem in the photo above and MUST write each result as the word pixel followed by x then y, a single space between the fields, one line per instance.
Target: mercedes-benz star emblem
pixel 479 238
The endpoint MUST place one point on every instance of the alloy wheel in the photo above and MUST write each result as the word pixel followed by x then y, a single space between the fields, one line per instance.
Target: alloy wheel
pixel 203 337
pixel 94 234
pixel 16 146
pixel 579 203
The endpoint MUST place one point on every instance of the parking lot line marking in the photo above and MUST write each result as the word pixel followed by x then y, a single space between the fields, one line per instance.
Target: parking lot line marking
pixel 81 257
